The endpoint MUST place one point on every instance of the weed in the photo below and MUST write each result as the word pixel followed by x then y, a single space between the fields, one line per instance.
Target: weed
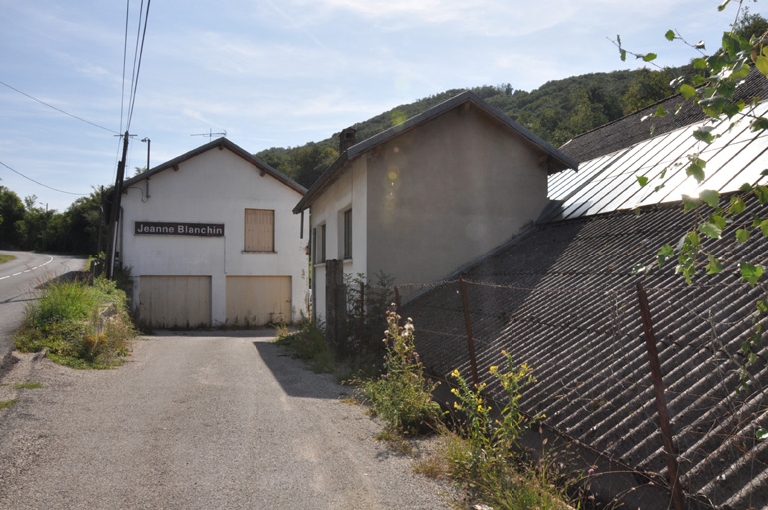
pixel 27 386
pixel 5 404
pixel 402 396
pixel 308 344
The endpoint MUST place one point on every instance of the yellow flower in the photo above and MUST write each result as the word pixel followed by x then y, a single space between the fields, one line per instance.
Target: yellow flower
pixel 494 369
pixel 455 391
pixel 456 405
pixel 455 373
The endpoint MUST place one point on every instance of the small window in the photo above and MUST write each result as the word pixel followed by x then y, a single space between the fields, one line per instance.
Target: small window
pixel 348 234
pixel 259 230
pixel 321 254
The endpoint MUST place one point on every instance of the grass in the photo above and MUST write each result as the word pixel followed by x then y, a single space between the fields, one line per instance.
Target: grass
pixel 5 404
pixel 27 386
pixel 6 258
pixel 80 324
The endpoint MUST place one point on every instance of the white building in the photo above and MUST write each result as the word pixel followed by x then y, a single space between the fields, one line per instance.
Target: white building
pixel 211 240
pixel 423 198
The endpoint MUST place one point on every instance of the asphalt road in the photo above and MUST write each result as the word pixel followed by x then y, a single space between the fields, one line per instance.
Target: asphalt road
pixel 20 280
pixel 193 422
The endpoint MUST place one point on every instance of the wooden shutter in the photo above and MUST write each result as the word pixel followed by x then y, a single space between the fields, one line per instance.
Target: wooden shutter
pixel 259 230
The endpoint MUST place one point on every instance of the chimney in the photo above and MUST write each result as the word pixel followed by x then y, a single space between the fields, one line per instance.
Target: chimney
pixel 347 139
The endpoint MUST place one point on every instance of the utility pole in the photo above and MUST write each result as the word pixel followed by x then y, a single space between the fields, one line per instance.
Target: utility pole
pixel 114 213
pixel 149 142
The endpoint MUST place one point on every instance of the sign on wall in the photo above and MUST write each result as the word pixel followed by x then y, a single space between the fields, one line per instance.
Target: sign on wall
pixel 159 228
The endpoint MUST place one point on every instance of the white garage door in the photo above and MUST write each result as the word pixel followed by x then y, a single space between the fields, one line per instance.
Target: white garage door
pixel 258 300
pixel 175 301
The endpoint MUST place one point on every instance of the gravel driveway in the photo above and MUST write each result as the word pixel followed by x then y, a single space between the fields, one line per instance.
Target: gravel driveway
pixel 195 421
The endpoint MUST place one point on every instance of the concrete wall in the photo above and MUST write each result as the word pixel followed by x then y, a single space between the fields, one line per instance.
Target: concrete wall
pixel 448 192
pixel 214 187
pixel 348 191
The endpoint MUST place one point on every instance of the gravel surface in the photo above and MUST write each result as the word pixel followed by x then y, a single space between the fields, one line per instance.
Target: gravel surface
pixel 196 421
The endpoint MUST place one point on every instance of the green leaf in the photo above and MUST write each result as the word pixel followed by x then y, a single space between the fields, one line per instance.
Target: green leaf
pixel 623 54
pixel 710 197
pixel 761 192
pixel 699 63
pixel 704 134
pixel 642 180
pixel 750 272
pixel 701 45
pixel 670 35
pixel 761 434
pixel 742 235
pixel 690 203
pixel 665 253
pixel 710 229
pixel 723 5
pixel 737 205
pixel 696 168
pixel 719 221
pixel 762 64
pixel 759 124
pixel 639 269
pixel 714 266
pixel 745 188
pixel 764 227
pixel 660 111
pixel 649 57
pixel 687 91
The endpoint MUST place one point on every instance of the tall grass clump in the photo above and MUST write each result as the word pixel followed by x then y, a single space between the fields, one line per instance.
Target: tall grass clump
pixel 79 323
pixel 308 344
pixel 402 396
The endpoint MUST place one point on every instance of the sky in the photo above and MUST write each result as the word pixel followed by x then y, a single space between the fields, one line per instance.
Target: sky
pixel 283 73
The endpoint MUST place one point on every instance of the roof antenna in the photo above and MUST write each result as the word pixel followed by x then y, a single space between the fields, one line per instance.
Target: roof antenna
pixel 210 134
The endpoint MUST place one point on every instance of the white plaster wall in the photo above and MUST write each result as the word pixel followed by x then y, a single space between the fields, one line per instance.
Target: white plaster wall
pixel 214 187
pixel 349 190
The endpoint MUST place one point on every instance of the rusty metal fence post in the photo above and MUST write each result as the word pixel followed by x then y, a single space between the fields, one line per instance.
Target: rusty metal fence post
pixel 661 404
pixel 468 324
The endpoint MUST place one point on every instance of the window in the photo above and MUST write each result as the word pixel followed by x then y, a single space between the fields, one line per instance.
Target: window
pixel 348 234
pixel 259 230
pixel 321 255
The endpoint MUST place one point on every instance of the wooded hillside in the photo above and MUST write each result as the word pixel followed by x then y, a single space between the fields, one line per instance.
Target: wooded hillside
pixel 556 111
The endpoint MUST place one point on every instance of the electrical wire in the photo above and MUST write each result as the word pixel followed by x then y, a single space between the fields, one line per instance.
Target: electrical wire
pixel 41 184
pixel 57 109
pixel 137 62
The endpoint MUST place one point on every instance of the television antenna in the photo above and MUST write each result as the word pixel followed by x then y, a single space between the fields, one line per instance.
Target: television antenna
pixel 210 134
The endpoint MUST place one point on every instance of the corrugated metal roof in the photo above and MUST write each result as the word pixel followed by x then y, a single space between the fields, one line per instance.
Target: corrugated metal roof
pixel 562 299
pixel 608 183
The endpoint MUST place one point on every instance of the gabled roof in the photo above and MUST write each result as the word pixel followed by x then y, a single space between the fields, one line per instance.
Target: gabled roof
pixel 559 160
pixel 219 143
pixel 562 298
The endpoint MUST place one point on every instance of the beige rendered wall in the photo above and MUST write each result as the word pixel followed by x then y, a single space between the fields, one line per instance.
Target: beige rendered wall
pixel 347 192
pixel 448 192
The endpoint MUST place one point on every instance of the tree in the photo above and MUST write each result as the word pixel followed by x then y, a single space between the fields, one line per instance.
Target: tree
pixel 711 86
pixel 646 88
pixel 11 212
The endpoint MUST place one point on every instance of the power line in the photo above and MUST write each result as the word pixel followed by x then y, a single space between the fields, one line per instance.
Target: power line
pixel 41 184
pixel 58 109
pixel 137 63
